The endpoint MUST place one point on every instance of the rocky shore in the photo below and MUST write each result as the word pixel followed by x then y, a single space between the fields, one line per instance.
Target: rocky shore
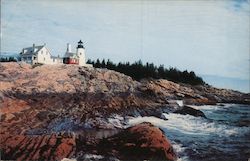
pixel 38 105
pixel 143 141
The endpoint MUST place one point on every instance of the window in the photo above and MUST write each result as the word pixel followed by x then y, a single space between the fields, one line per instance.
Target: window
pixel 41 52
pixel 43 59
pixel 34 58
pixel 47 53
pixel 80 53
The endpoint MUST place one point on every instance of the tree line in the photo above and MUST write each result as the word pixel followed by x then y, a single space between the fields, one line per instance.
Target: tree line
pixel 8 59
pixel 138 71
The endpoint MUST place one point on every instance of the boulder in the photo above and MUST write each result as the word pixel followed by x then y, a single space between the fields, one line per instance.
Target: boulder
pixel 243 123
pixel 187 110
pixel 140 142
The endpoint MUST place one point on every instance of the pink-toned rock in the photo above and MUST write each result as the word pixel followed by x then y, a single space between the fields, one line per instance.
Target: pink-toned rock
pixel 140 142
pixel 21 147
pixel 9 105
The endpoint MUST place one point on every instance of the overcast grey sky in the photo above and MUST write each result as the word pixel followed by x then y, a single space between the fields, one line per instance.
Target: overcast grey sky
pixel 208 37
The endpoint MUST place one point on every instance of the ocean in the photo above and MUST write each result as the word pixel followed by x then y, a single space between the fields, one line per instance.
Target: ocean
pixel 223 136
pixel 242 85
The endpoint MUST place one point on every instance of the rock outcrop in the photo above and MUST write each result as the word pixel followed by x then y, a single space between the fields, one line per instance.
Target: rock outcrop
pixel 22 78
pixel 55 98
pixel 193 95
pixel 42 147
pixel 143 141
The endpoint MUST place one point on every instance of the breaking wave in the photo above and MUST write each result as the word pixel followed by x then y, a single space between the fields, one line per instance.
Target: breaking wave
pixel 223 136
pixel 190 125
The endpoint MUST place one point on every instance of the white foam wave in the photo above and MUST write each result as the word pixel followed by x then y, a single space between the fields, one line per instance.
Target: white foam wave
pixel 116 121
pixel 92 157
pixel 67 159
pixel 189 125
pixel 179 102
pixel 185 158
pixel 205 107
pixel 178 147
pixel 213 107
pixel 180 150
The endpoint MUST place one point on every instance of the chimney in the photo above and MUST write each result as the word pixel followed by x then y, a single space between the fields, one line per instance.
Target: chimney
pixel 33 48
pixel 68 47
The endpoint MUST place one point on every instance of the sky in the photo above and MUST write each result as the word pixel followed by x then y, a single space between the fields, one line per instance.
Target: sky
pixel 208 37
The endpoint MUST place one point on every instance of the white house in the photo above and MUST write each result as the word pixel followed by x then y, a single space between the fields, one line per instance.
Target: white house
pixel 39 55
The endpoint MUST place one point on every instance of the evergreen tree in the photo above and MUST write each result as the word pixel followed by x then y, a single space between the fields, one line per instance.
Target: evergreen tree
pixel 103 65
pixel 97 64
pixel 138 71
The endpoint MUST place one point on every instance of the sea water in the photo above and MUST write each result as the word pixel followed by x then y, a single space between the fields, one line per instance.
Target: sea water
pixel 223 136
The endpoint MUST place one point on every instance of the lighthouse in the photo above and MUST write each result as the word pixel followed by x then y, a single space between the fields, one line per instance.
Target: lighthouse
pixel 77 57
pixel 80 52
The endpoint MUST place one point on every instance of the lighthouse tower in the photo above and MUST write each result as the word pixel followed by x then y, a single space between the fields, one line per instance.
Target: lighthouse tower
pixel 80 52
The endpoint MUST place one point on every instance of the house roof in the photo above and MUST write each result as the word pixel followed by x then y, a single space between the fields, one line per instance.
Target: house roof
pixel 30 50
pixel 70 54
pixel 56 57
